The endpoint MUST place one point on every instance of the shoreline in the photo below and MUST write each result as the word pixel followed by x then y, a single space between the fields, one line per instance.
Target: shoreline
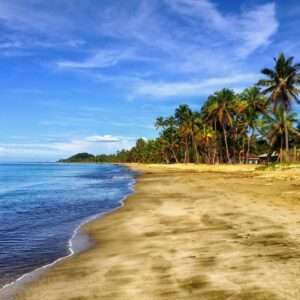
pixel 11 289
pixel 83 242
pixel 115 258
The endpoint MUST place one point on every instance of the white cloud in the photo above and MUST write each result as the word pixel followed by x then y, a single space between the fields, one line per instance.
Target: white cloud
pixel 102 59
pixel 208 42
pixel 146 46
pixel 23 16
pixel 2 151
pixel 256 27
pixel 252 29
pixel 201 9
pixel 202 87
pixel 93 144
pixel 102 138
pixel 97 144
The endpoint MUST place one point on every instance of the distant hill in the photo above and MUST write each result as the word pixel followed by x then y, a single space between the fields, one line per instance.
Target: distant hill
pixel 80 157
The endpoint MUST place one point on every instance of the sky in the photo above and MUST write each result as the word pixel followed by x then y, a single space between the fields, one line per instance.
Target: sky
pixel 93 75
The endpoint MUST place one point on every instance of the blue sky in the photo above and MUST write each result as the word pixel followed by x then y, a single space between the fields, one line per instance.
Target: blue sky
pixel 92 75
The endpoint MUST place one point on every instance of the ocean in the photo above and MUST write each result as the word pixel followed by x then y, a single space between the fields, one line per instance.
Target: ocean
pixel 42 207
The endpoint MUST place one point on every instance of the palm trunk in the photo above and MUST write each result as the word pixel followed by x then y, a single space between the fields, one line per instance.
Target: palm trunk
pixel 196 149
pixel 286 133
pixel 186 154
pixel 166 158
pixel 226 144
pixel 215 153
pixel 281 149
pixel 243 159
pixel 174 154
pixel 234 145
pixel 248 147
pixel 196 153
pixel 214 156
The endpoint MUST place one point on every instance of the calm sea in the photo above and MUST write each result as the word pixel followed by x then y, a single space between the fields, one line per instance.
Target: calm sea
pixel 41 205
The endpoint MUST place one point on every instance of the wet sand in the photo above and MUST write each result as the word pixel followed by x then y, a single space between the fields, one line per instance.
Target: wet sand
pixel 189 234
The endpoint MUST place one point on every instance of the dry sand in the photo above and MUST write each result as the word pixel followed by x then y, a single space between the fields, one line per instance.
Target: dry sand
pixel 185 234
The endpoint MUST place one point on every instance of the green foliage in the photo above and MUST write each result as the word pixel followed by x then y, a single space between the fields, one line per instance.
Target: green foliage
pixel 282 87
pixel 229 128
pixel 269 167
pixel 278 166
pixel 80 157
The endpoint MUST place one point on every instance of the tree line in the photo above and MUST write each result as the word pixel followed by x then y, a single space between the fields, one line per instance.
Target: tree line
pixel 230 127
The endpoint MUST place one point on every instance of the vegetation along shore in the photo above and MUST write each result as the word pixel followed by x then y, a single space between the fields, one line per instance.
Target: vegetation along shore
pixel 229 128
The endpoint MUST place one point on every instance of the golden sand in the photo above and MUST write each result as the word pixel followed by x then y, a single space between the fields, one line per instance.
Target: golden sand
pixel 190 232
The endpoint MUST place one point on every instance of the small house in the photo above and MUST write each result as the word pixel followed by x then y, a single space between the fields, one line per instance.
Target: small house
pixel 268 158
pixel 253 160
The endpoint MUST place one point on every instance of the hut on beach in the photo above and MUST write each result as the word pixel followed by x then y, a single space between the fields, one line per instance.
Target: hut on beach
pixel 267 158
pixel 264 159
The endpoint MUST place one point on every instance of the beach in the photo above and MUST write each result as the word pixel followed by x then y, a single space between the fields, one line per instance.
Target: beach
pixel 189 232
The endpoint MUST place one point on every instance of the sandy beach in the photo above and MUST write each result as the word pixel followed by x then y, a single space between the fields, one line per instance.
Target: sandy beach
pixel 189 232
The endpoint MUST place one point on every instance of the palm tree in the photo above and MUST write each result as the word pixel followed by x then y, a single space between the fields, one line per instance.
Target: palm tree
pixel 169 135
pixel 252 106
pixel 195 124
pixel 219 110
pixel 173 137
pixel 160 123
pixel 206 138
pixel 276 124
pixel 281 85
pixel 238 107
pixel 183 115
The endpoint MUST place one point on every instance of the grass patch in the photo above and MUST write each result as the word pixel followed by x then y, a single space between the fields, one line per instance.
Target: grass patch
pixel 278 166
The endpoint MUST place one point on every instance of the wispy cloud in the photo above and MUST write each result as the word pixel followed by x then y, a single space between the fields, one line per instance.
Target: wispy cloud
pixel 102 139
pixel 29 15
pixel 102 59
pixel 2 151
pixel 252 29
pixel 206 41
pixel 192 38
pixel 256 28
pixel 57 149
pixel 202 87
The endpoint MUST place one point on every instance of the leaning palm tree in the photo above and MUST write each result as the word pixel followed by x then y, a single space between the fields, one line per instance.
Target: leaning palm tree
pixel 275 125
pixel 281 86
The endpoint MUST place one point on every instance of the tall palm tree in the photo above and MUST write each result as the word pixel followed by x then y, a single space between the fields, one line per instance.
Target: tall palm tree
pixel 183 115
pixel 281 86
pixel 219 110
pixel 275 127
pixel 195 124
pixel 252 106
pixel 169 135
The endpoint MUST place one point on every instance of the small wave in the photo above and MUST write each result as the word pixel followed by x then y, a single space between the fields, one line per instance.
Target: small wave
pixel 10 289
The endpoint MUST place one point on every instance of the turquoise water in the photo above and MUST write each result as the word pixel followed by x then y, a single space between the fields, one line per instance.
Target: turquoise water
pixel 41 205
